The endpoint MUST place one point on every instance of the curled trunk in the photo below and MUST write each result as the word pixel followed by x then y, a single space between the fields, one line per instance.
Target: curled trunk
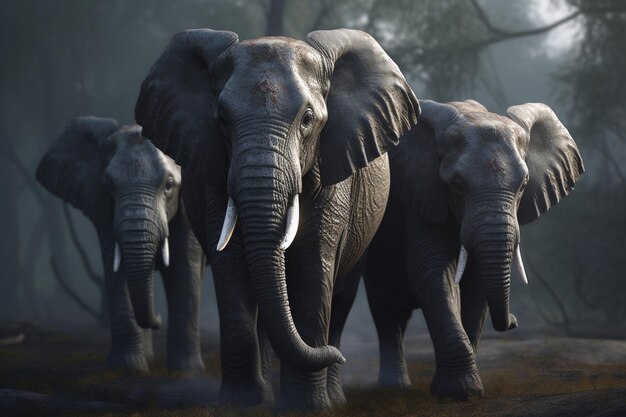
pixel 262 205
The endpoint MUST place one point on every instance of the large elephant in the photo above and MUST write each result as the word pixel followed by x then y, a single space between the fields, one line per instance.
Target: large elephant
pixel 288 138
pixel 461 184
pixel 131 193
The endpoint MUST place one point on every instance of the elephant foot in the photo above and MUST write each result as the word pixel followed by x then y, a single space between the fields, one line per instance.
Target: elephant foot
pixel 304 395
pixel 336 395
pixel 132 363
pixel 188 364
pixel 461 386
pixel 394 377
pixel 335 391
pixel 146 343
pixel 318 403
pixel 246 394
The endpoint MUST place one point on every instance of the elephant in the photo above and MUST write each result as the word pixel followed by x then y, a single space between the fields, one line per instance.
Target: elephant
pixel 289 139
pixel 462 182
pixel 130 191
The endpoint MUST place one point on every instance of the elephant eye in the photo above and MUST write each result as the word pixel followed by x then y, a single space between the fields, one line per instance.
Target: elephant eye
pixel 524 184
pixel 169 186
pixel 108 182
pixel 222 121
pixel 458 186
pixel 307 122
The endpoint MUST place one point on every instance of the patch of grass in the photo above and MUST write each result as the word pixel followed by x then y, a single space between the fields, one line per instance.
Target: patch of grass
pixel 524 378
pixel 70 365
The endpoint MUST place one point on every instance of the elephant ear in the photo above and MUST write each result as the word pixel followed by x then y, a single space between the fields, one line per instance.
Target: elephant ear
pixel 176 104
pixel 553 160
pixel 73 166
pixel 415 171
pixel 430 192
pixel 370 105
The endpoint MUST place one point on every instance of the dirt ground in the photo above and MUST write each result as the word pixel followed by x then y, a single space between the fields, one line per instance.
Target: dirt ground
pixel 59 374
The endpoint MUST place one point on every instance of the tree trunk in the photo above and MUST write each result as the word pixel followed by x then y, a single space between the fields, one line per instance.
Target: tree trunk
pixel 274 19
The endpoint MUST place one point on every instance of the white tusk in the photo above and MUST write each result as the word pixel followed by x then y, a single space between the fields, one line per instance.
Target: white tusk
pixel 117 258
pixel 165 253
pixel 230 220
pixel 293 218
pixel 460 267
pixel 520 265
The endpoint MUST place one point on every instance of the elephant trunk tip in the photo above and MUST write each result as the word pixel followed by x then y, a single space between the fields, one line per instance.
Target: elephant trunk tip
pixel 502 326
pixel 328 355
pixel 336 355
pixel 154 322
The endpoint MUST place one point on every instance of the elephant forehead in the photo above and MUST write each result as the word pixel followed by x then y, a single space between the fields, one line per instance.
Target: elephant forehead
pixel 275 75
pixel 486 128
pixel 277 50
pixel 136 159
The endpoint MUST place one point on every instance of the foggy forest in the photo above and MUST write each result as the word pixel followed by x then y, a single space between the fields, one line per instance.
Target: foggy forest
pixel 67 58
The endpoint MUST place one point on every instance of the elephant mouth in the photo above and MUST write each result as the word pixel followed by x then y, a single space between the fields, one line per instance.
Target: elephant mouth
pixel 463 257
pixel 165 255
pixel 230 221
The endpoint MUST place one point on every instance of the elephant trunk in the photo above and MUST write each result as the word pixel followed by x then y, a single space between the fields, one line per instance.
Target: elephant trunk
pixel 139 238
pixel 263 197
pixel 492 245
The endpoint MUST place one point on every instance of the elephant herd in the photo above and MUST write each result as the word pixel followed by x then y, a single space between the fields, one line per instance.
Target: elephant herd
pixel 294 168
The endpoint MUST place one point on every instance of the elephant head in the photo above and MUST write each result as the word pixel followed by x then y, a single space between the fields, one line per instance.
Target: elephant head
pixel 257 116
pixel 121 182
pixel 490 173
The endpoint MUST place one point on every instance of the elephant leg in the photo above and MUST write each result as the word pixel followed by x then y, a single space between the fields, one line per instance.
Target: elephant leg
pixel 473 306
pixel 431 276
pixel 242 378
pixel 390 300
pixel 390 323
pixel 127 338
pixel 183 287
pixel 310 293
pixel 148 346
pixel 341 305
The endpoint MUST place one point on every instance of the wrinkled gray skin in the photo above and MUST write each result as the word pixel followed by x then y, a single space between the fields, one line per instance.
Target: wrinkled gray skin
pixel 468 177
pixel 263 121
pixel 130 191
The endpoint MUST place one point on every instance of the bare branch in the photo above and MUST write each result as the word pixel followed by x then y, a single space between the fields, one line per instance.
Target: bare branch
pixel 73 293
pixel 530 32
pixel 502 34
pixel 95 278
pixel 578 280
pixel 9 153
pixel 264 5
pixel 34 244
pixel 274 18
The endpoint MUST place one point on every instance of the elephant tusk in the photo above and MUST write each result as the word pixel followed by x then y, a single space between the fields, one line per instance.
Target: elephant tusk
pixel 117 258
pixel 460 267
pixel 230 220
pixel 293 218
pixel 520 265
pixel 165 253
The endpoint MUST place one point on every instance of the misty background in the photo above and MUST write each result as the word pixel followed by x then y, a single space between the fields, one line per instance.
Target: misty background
pixel 66 58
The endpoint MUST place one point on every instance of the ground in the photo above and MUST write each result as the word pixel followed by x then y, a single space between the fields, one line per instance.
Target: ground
pixel 62 373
